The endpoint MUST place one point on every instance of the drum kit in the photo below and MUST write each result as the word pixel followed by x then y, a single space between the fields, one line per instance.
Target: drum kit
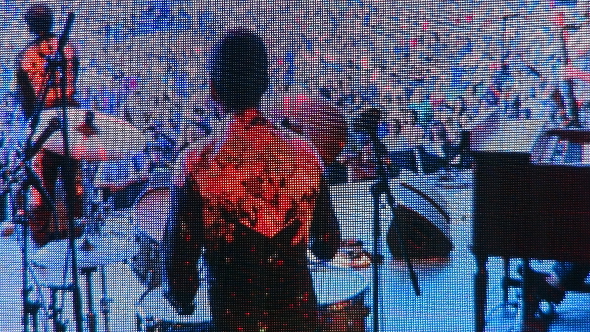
pixel 85 140
pixel 134 237
pixel 92 139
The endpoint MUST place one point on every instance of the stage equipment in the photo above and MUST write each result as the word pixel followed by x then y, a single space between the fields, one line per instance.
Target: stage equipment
pixel 92 136
pixel 149 215
pixel 423 223
pixel 519 194
pixel 367 121
pixel 84 137
pixel 55 65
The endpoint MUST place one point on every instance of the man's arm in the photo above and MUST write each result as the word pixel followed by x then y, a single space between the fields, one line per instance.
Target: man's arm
pixel 325 229
pixel 181 247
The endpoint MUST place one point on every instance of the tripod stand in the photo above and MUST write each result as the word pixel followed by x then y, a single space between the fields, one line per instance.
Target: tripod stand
pixel 368 122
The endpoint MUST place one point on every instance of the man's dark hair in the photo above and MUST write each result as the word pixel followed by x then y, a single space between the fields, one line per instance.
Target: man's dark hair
pixel 39 18
pixel 239 70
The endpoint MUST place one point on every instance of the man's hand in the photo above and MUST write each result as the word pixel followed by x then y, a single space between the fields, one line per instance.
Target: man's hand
pixel 183 309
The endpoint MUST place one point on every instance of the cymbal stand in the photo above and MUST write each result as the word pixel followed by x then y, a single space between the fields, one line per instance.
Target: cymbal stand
pixel 105 300
pixel 30 308
pixel 32 180
pixel 69 178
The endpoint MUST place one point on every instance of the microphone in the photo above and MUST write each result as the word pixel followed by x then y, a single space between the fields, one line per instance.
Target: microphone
pixel 58 59
pixel 367 121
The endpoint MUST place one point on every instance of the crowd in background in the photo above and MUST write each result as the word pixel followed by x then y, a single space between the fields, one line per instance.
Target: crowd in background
pixel 435 68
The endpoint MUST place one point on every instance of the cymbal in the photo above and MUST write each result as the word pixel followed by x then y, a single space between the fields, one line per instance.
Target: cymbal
pixel 324 125
pixel 93 136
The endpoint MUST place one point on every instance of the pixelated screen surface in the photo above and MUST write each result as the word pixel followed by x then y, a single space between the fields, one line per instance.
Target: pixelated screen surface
pixel 290 165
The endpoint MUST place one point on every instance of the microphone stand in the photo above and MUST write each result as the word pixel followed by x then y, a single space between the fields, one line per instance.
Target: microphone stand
pixel 69 177
pixel 32 180
pixel 60 62
pixel 381 187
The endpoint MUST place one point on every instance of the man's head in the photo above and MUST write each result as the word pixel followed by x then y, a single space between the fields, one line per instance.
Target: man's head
pixel 39 18
pixel 239 70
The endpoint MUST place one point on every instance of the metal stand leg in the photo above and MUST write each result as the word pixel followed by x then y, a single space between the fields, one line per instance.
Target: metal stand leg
pixel 481 284
pixel 58 325
pixel 92 322
pixel 32 309
pixel 104 301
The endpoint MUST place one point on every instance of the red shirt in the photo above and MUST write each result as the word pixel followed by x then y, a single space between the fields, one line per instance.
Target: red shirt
pixel 32 76
pixel 265 176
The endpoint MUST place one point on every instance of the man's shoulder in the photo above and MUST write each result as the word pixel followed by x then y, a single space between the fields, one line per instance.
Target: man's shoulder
pixel 195 151
pixel 305 151
pixel 190 157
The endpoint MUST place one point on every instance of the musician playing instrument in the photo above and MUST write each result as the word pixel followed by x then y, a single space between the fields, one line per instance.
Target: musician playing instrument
pixel 39 88
pixel 247 196
pixel 33 75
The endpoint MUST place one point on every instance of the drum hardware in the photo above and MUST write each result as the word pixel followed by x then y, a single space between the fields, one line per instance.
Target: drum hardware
pixel 91 315
pixel 30 308
pixel 92 257
pixel 340 306
pixel 424 225
pixel 55 315
pixel 155 314
pixel 105 300
pixel 89 137
pixel 350 254
pixel 108 139
pixel 149 215
pixel 54 66
pixel 112 139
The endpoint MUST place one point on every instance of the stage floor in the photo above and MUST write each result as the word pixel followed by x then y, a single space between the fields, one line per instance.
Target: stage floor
pixel 446 303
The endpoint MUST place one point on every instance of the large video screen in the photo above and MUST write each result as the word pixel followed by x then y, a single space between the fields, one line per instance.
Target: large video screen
pixel 290 165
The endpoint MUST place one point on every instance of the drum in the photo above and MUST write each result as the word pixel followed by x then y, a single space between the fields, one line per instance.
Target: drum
pixel 122 181
pixel 340 294
pixel 155 314
pixel 149 215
